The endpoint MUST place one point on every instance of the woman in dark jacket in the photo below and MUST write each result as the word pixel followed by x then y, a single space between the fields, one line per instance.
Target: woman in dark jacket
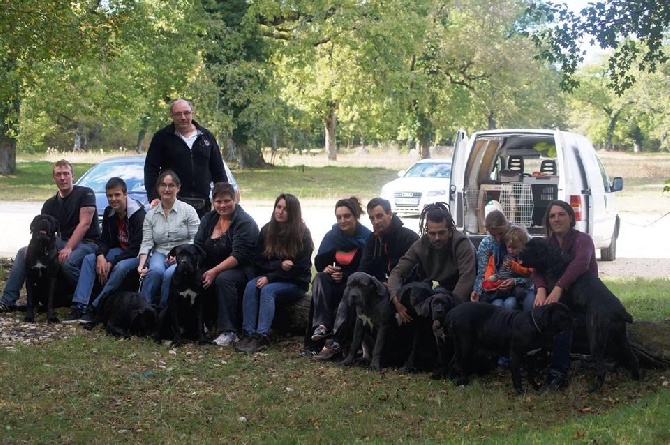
pixel 559 225
pixel 228 237
pixel 284 266
pixel 339 256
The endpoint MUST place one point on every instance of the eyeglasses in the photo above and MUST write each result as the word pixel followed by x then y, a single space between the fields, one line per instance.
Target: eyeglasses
pixel 182 113
pixel 168 186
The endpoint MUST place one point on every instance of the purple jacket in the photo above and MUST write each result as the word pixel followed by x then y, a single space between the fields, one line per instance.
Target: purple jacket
pixel 579 246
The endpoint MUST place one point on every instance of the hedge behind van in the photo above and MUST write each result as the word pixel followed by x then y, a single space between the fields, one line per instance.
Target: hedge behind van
pixel 522 171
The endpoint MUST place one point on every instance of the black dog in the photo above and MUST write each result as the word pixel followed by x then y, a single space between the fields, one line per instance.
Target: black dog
pixel 417 298
pixel 42 266
pixel 125 313
pixel 184 314
pixel 606 317
pixel 375 317
pixel 502 332
pixel 438 306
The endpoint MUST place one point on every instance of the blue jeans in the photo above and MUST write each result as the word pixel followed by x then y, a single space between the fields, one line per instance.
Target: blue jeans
pixel 88 275
pixel 507 302
pixel 157 280
pixel 258 305
pixel 17 276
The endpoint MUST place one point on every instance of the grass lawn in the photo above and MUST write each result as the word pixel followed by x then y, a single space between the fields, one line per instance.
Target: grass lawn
pixel 88 386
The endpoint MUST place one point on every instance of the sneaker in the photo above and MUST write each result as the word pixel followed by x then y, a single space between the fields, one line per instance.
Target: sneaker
pixel 330 350
pixel 255 344
pixel 308 352
pixel 87 318
pixel 320 333
pixel 4 308
pixel 75 316
pixel 555 380
pixel 225 339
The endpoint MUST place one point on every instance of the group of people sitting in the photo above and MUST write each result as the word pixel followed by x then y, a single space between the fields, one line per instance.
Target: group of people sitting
pixel 273 265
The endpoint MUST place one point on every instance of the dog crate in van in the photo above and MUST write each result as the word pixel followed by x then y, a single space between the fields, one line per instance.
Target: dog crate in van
pixel 521 171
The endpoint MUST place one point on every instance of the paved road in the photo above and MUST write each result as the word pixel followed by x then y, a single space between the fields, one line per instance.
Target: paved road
pixel 642 236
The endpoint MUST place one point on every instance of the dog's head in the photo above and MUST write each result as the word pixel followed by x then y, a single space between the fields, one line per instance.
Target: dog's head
pixel 540 255
pixel 189 259
pixel 414 297
pixel 44 227
pixel 553 318
pixel 364 289
pixel 439 306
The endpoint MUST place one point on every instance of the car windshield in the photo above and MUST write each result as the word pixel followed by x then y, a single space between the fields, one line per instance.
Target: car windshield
pixel 97 177
pixel 429 170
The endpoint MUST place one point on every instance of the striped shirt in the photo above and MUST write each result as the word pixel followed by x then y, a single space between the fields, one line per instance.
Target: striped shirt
pixel 162 232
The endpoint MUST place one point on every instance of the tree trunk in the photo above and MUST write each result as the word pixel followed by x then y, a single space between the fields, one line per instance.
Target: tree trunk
pixel 7 155
pixel 424 135
pixel 330 124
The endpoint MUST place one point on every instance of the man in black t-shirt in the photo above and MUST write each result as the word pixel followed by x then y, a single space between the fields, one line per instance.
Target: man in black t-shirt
pixel 74 208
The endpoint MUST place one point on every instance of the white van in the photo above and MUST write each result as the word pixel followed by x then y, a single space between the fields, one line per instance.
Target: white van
pixel 522 171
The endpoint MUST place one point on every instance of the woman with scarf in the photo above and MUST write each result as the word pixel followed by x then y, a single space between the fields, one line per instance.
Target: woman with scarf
pixel 339 256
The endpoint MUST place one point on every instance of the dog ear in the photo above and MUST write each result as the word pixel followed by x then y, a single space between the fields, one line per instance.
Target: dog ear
pixel 381 289
pixel 174 251
pixel 34 222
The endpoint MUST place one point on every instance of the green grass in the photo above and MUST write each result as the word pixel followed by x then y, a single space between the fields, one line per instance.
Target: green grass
pixel 91 387
pixel 33 181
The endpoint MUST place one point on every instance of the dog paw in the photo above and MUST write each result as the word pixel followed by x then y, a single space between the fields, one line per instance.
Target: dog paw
pixel 53 320
pixel 349 361
pixel 376 366
pixel 519 390
pixel 29 319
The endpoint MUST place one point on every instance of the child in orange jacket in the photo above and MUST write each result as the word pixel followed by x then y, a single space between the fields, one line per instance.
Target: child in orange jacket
pixel 510 285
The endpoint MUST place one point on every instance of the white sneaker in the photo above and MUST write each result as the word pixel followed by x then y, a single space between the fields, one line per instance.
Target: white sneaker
pixel 226 339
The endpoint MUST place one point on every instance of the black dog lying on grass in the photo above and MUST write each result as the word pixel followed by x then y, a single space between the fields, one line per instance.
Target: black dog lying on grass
pixel 184 315
pixel 42 266
pixel 606 317
pixel 124 314
pixel 376 323
pixel 503 332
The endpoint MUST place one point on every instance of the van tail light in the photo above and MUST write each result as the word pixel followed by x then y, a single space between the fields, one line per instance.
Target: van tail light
pixel 576 204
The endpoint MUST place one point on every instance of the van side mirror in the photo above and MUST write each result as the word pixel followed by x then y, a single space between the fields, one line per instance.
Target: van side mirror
pixel 617 184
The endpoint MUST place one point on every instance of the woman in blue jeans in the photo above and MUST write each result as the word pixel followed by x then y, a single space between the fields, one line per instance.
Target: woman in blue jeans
pixel 283 261
pixel 170 223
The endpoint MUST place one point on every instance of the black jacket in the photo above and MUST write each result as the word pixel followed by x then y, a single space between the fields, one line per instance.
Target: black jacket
pixel 197 168
pixel 382 252
pixel 109 238
pixel 242 235
pixel 300 273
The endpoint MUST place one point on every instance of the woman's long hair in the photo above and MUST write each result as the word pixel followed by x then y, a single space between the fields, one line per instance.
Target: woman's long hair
pixel 285 241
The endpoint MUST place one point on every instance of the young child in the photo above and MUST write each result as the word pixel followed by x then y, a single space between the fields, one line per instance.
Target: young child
pixel 510 284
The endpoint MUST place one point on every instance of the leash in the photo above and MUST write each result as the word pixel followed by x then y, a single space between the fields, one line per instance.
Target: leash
pixel 532 316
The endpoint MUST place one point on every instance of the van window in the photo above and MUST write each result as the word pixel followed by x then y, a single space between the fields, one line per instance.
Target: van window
pixel 604 177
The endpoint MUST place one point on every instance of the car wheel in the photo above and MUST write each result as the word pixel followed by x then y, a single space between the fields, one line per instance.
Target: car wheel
pixel 609 254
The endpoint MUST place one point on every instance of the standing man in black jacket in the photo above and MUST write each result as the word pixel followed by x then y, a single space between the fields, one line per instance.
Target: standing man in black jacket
pixel 192 152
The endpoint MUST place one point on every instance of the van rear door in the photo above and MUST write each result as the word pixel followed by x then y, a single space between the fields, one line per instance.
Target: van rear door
pixel 457 181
